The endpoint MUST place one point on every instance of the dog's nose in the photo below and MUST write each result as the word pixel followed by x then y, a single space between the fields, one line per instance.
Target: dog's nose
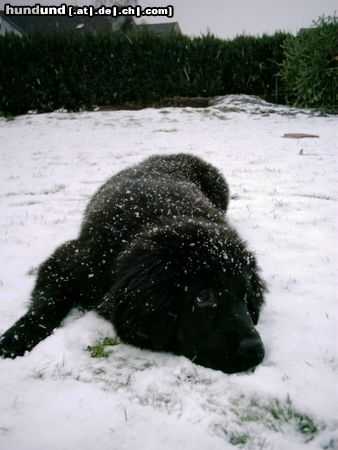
pixel 251 350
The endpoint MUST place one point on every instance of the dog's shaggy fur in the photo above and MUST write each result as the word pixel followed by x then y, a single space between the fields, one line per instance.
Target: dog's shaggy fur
pixel 157 258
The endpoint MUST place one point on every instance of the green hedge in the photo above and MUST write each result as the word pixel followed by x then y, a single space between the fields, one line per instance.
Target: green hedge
pixel 310 67
pixel 74 71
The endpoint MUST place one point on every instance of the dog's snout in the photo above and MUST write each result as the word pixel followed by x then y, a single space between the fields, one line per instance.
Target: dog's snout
pixel 252 350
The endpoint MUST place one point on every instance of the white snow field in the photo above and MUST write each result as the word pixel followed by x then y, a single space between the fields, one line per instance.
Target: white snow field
pixel 284 203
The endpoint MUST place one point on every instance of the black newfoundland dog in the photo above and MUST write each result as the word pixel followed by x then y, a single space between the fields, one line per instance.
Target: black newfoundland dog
pixel 157 258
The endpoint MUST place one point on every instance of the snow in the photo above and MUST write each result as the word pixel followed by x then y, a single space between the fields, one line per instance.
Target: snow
pixel 283 202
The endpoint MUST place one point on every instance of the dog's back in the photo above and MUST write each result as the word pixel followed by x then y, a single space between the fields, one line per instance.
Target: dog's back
pixel 161 187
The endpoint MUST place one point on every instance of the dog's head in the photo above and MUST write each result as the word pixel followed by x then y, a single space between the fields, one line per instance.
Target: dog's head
pixel 192 288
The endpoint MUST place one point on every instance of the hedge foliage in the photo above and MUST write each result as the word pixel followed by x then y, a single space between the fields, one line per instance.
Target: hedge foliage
pixel 74 71
pixel 310 67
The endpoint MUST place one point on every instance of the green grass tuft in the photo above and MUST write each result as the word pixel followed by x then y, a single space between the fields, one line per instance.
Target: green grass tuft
pixel 275 415
pixel 285 412
pixel 7 117
pixel 100 349
pixel 238 439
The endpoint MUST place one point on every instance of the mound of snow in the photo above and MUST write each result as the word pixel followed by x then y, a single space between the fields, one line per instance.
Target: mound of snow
pixel 255 105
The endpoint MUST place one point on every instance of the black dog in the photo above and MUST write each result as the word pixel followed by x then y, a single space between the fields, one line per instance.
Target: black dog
pixel 156 257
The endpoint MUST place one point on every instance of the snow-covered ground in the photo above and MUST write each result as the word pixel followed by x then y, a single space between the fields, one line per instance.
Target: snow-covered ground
pixel 284 202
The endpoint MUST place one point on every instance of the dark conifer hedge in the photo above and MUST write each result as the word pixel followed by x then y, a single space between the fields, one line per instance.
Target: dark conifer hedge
pixel 80 70
pixel 310 66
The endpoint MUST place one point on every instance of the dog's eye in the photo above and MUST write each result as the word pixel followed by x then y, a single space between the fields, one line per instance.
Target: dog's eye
pixel 205 298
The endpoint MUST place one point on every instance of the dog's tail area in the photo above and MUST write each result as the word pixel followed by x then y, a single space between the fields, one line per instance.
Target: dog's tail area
pixel 52 299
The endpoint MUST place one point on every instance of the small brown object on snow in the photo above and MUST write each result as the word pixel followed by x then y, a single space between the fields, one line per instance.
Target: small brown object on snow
pixel 300 135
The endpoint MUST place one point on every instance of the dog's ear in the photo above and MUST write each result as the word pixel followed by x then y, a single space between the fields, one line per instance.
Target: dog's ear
pixel 141 304
pixel 255 290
